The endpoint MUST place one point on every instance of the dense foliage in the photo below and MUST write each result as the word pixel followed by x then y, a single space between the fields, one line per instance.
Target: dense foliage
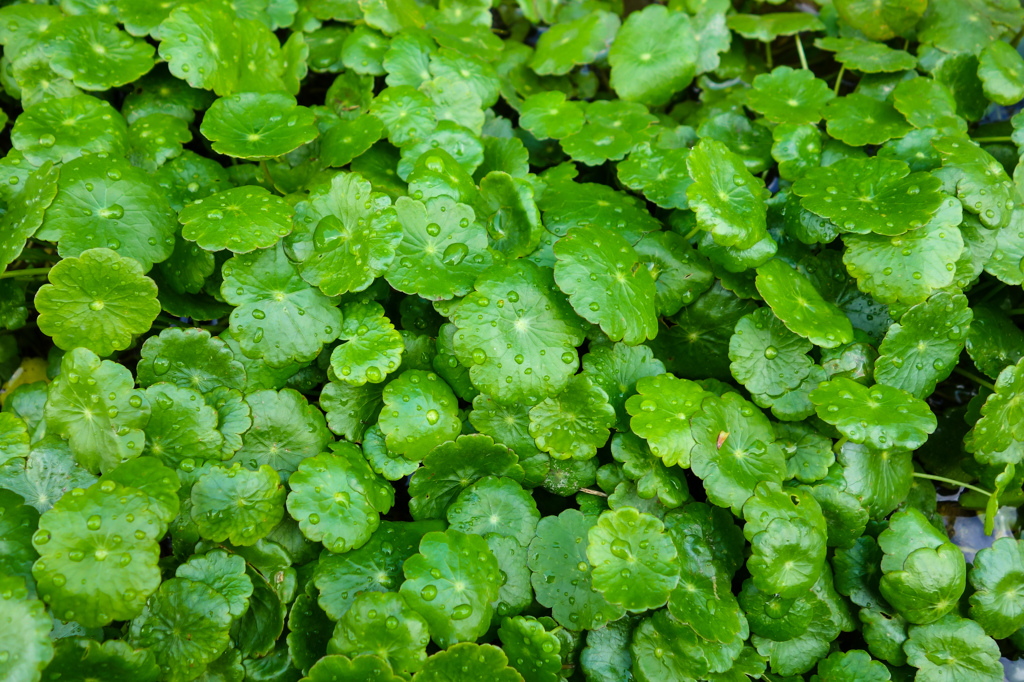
pixel 368 340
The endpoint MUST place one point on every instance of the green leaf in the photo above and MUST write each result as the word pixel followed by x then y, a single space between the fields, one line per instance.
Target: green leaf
pixel 548 115
pixel 285 430
pixel 621 298
pixel 337 499
pixel 18 522
pixel 443 249
pixel 728 200
pixel 999 427
pixel 568 204
pixel 95 55
pixel 106 203
pixel 881 22
pixel 795 301
pixel 787 534
pixel 633 560
pixel 515 594
pixel 534 650
pixel 351 409
pixel 382 624
pixel 98 554
pixel 871 195
pixel 151 477
pixel 453 596
pixel 922 348
pixel 907 268
pixel 606 655
pixel 354 238
pixel 612 130
pixel 26 632
pixel 558 559
pixel 342 669
pixel 363 51
pixel 879 416
pixel 506 207
pixel 46 474
pixel 851 665
pixel 474 661
pixel 258 125
pixel 236 504
pixel 789 96
pixel 923 573
pixel 156 138
pixel 575 42
pixel 653 56
pixel 189 177
pixel 25 211
pixel 768 27
pixel 455 465
pixel 373 348
pixel 683 654
pixel 376 566
pixel 81 658
pixel 495 505
pixel 996 576
pixel 186 625
pixel 420 412
pixel 981 182
pixel 189 358
pixel 954 649
pixel 205 45
pixel 993 341
pixel 529 352
pixel 574 423
pixel 859 120
pixel 99 301
pixel 651 475
pixel 867 57
pixel 766 357
pixel 1001 70
pixel 661 175
pixel 222 572
pixel 79 409
pixel 40 135
pixel 661 415
pixel 241 220
pixel 278 317
pixel 733 450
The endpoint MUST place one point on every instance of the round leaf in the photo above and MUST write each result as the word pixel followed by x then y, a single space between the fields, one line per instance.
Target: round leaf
pixel 98 301
pixel 98 554
pixel 600 273
pixel 241 220
pixel 258 125
pixel 452 594
pixel 236 504
pixel 337 499
pixel 634 561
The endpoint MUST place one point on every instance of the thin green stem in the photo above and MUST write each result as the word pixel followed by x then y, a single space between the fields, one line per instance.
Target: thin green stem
pixel 768 55
pixel 975 378
pixel 954 483
pixel 800 51
pixel 27 272
pixel 1000 138
pixel 839 79
pixel 691 234
pixel 1017 311
pixel 840 443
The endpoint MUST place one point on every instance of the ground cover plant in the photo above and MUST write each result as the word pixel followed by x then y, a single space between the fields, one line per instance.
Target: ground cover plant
pixel 376 340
